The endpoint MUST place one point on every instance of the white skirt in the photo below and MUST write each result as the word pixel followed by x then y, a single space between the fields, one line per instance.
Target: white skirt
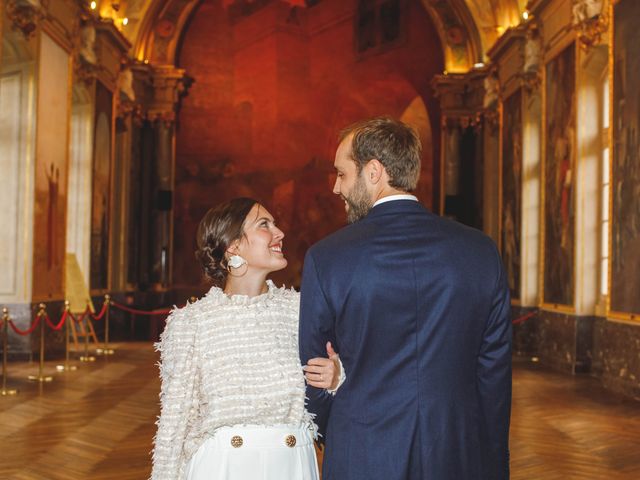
pixel 255 453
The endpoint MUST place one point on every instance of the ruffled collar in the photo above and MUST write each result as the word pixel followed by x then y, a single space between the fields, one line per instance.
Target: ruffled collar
pixel 219 295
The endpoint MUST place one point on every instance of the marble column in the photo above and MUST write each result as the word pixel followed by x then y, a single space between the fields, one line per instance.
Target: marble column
pixel 169 85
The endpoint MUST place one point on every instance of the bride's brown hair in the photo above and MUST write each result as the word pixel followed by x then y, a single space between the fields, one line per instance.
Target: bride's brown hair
pixel 218 229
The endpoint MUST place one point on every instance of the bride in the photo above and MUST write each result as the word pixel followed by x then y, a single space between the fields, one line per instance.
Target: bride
pixel 233 389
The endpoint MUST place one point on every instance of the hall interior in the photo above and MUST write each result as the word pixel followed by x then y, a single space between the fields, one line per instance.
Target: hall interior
pixel 123 121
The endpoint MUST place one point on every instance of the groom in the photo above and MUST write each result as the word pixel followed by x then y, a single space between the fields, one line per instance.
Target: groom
pixel 418 307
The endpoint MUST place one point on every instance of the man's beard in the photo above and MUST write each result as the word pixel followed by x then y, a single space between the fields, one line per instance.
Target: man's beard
pixel 358 201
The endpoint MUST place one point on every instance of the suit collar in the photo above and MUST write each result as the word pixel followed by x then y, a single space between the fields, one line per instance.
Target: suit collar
pixel 396 207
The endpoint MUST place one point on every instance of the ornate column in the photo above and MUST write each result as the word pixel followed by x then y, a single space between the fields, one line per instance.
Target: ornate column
pixel 491 154
pixel 169 85
pixel 591 23
pixel 530 82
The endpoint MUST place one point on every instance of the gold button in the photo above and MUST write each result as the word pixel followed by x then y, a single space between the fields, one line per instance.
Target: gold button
pixel 290 441
pixel 236 441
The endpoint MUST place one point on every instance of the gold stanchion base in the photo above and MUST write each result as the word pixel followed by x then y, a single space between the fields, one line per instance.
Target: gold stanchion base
pixel 66 368
pixel 40 378
pixel 88 358
pixel 105 351
pixel 6 392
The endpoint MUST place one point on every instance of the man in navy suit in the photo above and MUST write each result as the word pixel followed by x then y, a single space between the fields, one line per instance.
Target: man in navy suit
pixel 418 307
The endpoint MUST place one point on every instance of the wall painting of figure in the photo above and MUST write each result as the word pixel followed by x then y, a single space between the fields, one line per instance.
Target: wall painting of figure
pixel 511 189
pixel 625 183
pixel 559 164
pixel 99 277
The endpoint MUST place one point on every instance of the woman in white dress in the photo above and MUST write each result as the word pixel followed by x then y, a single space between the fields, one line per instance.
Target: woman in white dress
pixel 233 389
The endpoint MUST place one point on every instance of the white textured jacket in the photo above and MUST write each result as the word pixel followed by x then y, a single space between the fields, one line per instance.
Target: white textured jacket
pixel 227 361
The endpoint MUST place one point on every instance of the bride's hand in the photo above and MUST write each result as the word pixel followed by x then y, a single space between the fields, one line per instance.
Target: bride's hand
pixel 323 372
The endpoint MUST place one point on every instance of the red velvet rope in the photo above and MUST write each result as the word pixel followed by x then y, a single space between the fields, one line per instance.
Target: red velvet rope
pixel 60 323
pixel 102 313
pixel 29 331
pixel 141 312
pixel 81 317
pixel 105 305
pixel 524 318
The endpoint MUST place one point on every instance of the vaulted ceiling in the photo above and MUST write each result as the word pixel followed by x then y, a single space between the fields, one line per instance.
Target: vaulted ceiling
pixel 467 28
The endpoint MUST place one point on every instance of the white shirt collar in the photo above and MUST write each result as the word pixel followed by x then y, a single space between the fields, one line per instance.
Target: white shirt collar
pixel 391 198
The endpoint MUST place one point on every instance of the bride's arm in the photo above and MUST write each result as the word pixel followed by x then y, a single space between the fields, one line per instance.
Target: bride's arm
pixel 177 395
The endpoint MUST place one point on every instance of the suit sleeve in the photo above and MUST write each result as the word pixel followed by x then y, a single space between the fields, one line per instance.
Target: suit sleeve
pixel 316 328
pixel 494 381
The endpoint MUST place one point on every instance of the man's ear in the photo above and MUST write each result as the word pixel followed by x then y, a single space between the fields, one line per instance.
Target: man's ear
pixel 374 171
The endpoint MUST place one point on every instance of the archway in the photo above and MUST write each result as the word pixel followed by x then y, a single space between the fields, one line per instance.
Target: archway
pixel 271 92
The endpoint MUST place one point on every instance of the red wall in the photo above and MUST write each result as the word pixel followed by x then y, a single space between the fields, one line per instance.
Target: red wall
pixel 271 92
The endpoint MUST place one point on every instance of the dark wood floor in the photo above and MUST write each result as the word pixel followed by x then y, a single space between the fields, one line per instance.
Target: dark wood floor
pixel 97 423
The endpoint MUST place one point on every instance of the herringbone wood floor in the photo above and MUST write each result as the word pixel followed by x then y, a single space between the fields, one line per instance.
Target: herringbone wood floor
pixel 98 422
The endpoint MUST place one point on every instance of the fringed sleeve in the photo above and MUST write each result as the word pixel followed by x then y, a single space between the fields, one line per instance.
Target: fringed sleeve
pixel 178 396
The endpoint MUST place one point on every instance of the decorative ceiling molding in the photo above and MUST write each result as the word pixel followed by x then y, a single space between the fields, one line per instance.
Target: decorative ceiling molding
pixel 161 29
pixel 494 17
pixel 467 28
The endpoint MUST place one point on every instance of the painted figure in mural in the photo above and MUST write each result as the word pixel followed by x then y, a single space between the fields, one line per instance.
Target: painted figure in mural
pixel 419 308
pixel 510 245
pixel 562 154
pixel 559 159
pixel 233 389
pixel 511 189
pixel 53 180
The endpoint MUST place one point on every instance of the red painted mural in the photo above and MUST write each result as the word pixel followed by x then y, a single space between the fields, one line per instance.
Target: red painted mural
pixel 273 87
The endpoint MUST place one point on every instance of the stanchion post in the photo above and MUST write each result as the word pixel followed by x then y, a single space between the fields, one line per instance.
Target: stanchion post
pixel 67 328
pixel 86 357
pixel 42 311
pixel 5 331
pixel 106 350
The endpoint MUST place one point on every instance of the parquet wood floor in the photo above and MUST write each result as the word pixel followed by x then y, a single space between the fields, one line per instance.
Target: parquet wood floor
pixel 98 423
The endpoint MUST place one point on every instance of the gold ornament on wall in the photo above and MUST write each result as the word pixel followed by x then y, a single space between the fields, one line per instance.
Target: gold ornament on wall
pixel 25 15
pixel 590 20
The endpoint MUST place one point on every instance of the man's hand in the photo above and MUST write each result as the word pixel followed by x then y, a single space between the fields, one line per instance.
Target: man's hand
pixel 323 372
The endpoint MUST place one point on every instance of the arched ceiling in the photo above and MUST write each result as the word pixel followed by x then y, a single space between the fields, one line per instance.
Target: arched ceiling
pixel 493 17
pixel 467 28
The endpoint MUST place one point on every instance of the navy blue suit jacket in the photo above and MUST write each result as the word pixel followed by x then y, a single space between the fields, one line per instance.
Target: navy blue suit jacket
pixel 418 308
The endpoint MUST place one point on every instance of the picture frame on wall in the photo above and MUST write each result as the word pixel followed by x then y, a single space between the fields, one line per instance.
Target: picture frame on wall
pixel 624 254
pixel 558 178
pixel 101 188
pixel 511 190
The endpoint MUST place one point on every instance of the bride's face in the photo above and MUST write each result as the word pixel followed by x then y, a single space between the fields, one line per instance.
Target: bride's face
pixel 261 244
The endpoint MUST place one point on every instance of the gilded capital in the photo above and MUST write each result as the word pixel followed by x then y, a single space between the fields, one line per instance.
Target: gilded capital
pixel 25 15
pixel 169 85
pixel 590 20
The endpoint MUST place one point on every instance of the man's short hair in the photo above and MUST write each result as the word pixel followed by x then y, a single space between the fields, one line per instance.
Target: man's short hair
pixel 393 143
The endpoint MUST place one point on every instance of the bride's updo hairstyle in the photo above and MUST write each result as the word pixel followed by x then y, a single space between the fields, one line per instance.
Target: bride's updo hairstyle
pixel 218 229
